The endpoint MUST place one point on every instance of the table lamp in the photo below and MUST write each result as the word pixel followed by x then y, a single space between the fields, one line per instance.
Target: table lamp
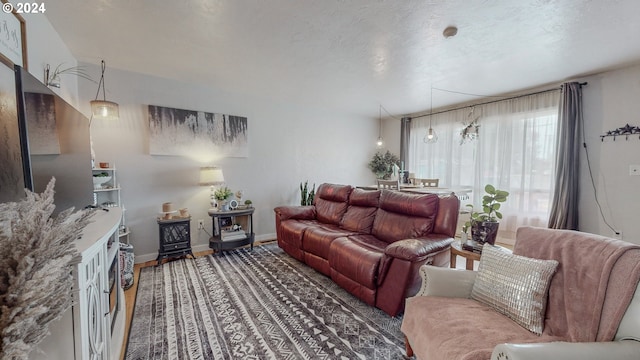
pixel 211 176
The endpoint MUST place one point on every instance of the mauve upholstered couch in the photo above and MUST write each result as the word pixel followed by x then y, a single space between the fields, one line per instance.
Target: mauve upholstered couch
pixel 370 242
pixel 592 310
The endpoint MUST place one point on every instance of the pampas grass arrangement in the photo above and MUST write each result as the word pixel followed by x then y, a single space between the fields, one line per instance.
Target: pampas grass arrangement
pixel 36 250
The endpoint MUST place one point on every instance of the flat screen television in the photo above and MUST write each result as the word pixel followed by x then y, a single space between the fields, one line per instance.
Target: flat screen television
pixel 54 142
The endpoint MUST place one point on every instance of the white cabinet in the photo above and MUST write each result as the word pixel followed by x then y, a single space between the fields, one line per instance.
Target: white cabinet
pixel 91 304
pixel 98 300
pixel 93 329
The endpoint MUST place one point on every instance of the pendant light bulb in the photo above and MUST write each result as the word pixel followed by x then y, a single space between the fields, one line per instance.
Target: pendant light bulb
pixel 431 137
pixel 380 142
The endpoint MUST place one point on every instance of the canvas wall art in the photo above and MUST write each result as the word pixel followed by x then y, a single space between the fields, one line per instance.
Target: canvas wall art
pixel 184 132
pixel 41 119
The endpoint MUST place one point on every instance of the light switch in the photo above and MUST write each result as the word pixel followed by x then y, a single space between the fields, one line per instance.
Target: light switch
pixel 634 170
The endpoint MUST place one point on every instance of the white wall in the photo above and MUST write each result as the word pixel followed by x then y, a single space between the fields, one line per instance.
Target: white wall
pixel 611 101
pixel 44 46
pixel 287 144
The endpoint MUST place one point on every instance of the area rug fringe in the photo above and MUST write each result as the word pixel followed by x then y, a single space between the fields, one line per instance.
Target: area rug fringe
pixel 259 304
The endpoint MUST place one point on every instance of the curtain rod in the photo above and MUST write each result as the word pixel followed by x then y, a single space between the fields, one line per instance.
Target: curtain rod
pixel 493 101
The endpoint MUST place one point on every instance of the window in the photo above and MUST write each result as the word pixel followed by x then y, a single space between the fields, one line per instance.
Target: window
pixel 515 151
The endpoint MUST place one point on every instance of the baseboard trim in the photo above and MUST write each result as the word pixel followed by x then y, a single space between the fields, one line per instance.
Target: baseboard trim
pixel 142 258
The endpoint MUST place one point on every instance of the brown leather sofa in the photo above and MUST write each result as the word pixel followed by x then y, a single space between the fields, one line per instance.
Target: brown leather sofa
pixel 370 242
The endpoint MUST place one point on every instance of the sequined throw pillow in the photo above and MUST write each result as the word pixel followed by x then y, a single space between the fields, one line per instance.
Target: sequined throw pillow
pixel 515 286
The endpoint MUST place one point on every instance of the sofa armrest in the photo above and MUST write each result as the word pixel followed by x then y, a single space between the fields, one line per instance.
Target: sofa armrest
pixel 611 350
pixel 445 282
pixel 295 212
pixel 418 249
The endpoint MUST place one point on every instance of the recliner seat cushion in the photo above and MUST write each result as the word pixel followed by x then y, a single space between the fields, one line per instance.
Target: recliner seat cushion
pixel 293 230
pixel 317 240
pixel 355 260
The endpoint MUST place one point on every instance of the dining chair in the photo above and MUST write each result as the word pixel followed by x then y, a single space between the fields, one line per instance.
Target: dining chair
pixel 430 182
pixel 389 184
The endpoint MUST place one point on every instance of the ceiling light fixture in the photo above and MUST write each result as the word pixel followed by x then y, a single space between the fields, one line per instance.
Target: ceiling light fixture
pixel 103 109
pixel 431 137
pixel 380 141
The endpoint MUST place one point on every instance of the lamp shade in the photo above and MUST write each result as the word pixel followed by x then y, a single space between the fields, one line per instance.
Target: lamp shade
pixel 102 109
pixel 211 176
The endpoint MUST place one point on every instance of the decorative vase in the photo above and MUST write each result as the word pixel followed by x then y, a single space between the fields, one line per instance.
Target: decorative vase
pixel 224 205
pixel 485 232
pixel 463 238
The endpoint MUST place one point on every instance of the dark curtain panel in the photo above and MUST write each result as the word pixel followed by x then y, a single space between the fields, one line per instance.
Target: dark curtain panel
pixel 405 132
pixel 564 208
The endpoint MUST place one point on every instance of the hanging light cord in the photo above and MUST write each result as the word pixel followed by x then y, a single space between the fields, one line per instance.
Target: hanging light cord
pixel 101 83
pixel 430 106
pixel 380 122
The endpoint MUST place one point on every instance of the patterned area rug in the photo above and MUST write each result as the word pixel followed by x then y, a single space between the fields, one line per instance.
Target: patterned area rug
pixel 259 304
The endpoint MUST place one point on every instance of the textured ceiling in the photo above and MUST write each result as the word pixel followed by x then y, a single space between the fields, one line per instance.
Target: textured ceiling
pixel 351 55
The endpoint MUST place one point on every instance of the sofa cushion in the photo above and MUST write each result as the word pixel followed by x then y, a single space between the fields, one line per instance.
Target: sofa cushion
pixel 361 211
pixel 356 260
pixel 290 236
pixel 331 202
pixel 462 329
pixel 404 216
pixel 514 285
pixel 317 240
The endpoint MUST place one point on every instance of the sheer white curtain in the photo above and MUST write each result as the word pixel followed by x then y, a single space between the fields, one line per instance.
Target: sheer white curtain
pixel 515 151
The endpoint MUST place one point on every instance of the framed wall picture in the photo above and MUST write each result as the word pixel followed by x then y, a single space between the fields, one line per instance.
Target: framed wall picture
pixel 13 36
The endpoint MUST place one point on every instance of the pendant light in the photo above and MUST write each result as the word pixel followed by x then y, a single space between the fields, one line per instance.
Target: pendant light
pixel 103 109
pixel 380 141
pixel 431 137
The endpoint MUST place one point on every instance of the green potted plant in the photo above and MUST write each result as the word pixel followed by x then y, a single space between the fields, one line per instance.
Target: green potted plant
pixel 307 195
pixel 484 225
pixel 382 164
pixel 248 203
pixel 222 195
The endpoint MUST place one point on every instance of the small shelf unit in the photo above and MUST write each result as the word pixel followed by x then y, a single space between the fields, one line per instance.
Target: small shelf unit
pixel 108 195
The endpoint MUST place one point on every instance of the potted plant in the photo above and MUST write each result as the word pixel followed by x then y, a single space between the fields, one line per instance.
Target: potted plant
pixel 306 195
pixel 382 164
pixel 100 178
pixel 248 203
pixel 222 195
pixel 484 225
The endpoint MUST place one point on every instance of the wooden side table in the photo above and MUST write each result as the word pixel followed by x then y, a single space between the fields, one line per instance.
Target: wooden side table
pixel 470 256
pixel 175 238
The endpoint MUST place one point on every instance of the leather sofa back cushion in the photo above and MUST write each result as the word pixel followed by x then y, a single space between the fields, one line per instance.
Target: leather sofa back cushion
pixel 331 202
pixel 361 212
pixel 404 216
